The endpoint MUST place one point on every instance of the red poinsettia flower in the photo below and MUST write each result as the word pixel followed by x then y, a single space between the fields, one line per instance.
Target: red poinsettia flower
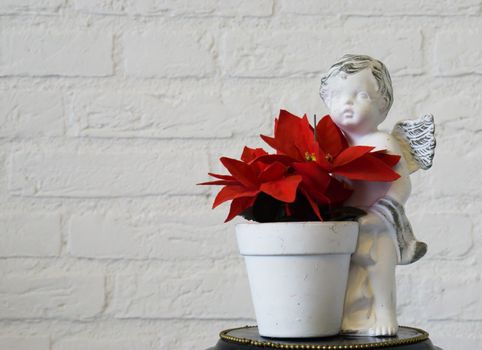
pixel 355 162
pixel 318 158
pixel 308 163
pixel 249 177
pixel 295 138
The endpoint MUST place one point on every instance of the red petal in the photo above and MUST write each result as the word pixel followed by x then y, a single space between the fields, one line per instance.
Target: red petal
pixel 389 159
pixel 315 180
pixel 231 192
pixel 329 136
pixel 367 168
pixel 271 158
pixel 307 138
pixel 284 189
pixel 272 172
pixel 338 192
pixel 322 161
pixel 312 203
pixel 222 177
pixel 220 182
pixel 271 141
pixel 227 193
pixel 350 154
pixel 251 153
pixel 241 171
pixel 293 136
pixel 238 205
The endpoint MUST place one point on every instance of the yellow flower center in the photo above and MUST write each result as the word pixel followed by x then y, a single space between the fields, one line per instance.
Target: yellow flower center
pixel 310 157
pixel 329 157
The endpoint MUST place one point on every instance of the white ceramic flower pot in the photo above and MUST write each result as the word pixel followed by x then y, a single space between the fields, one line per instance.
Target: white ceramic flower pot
pixel 298 273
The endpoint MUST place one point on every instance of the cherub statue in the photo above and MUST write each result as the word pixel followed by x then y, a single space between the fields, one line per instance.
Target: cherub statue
pixel 358 93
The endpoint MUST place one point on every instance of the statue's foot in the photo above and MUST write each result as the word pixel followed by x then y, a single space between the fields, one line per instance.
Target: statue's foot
pixel 420 250
pixel 382 331
pixel 385 326
pixel 413 252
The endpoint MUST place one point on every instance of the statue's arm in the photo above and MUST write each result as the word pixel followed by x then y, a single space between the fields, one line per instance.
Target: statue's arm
pixel 401 188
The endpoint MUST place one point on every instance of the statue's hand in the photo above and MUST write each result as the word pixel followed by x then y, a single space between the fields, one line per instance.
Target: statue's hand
pixel 370 225
pixel 371 222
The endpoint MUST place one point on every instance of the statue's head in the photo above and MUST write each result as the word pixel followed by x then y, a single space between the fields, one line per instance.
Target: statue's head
pixel 358 92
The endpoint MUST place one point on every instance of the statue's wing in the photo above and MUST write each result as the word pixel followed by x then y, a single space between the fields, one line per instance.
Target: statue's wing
pixel 417 141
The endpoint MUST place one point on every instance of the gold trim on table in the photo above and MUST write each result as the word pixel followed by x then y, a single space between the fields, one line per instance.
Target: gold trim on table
pixel 274 345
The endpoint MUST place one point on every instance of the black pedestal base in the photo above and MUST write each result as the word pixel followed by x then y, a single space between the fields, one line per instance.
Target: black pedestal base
pixel 248 338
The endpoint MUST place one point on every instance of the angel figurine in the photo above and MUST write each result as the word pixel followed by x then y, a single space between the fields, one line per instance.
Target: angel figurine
pixel 358 93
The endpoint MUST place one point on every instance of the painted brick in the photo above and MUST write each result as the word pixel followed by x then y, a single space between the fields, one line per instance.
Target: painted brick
pixel 102 344
pixel 61 296
pixel 30 234
pixel 297 96
pixel 448 235
pixel 124 236
pixel 455 292
pixel 154 53
pixel 228 8
pixel 453 153
pixel 31 113
pixel 381 7
pixel 455 341
pixel 29 6
pixel 407 99
pixel 182 292
pixel 405 292
pixel 255 8
pixel 284 53
pixel 456 52
pixel 453 112
pixel 108 174
pixel 219 70
pixel 24 343
pixel 193 114
pixel 64 53
pixel 100 7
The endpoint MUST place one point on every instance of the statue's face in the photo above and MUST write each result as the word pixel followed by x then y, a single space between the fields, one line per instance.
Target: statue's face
pixel 354 102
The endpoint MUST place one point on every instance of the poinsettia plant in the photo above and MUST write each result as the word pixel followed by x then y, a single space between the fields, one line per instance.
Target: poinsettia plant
pixel 307 179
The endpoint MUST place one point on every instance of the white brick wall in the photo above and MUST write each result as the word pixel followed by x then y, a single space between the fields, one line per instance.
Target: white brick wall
pixel 75 297
pixel 112 111
pixel 25 343
pixel 182 294
pixel 41 52
pixel 280 52
pixel 31 114
pixel 26 233
pixel 168 53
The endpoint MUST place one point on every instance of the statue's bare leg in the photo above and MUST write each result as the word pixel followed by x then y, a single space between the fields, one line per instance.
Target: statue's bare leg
pixel 370 302
pixel 358 301
pixel 382 281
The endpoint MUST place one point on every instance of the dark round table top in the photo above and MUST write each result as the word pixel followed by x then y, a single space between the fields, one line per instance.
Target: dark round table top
pixel 248 338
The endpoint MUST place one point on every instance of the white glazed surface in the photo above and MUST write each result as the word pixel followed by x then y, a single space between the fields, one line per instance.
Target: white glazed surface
pixel 302 238
pixel 298 274
pixel 358 101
